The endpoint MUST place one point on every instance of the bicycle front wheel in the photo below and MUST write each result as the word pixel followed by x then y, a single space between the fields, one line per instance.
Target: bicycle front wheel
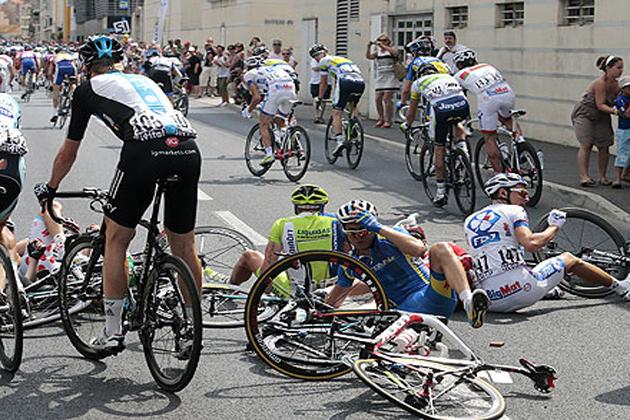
pixel 413 386
pixel 415 140
pixel 330 142
pixel 582 233
pixel 172 327
pixel 183 104
pixel 531 170
pixel 463 182
pixel 427 170
pixel 355 145
pixel 255 151
pixel 296 153
pixel 11 330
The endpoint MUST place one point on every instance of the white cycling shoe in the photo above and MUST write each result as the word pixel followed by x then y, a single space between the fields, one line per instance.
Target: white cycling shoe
pixel 112 343
pixel 622 289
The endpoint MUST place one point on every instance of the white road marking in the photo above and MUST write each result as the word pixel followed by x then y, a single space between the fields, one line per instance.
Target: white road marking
pixel 242 227
pixel 202 196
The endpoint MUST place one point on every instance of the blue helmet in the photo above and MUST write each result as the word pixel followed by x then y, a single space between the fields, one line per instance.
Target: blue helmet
pixel 101 47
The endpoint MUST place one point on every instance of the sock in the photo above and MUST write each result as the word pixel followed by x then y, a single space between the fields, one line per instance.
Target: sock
pixel 339 138
pixel 113 315
pixel 440 186
pixel 466 297
pixel 268 151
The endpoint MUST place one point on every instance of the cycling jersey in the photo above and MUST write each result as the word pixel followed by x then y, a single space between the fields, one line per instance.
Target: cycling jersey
pixel 12 150
pixel 28 62
pixel 276 85
pixel 337 66
pixel 64 67
pixel 418 62
pixel 53 251
pixel 10 112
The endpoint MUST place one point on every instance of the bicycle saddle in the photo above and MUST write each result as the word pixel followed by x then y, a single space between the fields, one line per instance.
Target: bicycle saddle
pixel 517 112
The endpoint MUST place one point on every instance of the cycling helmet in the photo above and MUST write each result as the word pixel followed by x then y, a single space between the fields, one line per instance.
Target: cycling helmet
pixel 152 53
pixel 3 50
pixel 316 50
pixel 421 46
pixel 254 61
pixel 425 70
pixel 309 195
pixel 499 181
pixel 347 212
pixel 27 47
pixel 260 50
pixel 100 47
pixel 465 58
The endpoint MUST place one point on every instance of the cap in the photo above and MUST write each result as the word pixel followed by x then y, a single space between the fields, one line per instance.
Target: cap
pixel 624 81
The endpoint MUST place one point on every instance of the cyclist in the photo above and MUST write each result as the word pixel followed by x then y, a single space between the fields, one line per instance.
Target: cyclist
pixel 279 91
pixel 447 105
pixel 27 64
pixel 158 142
pixel 396 258
pixel 61 67
pixel 161 70
pixel 349 86
pixel 499 234
pixel 6 70
pixel 495 99
pixel 309 229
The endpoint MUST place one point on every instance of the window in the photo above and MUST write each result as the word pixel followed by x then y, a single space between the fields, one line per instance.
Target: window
pixel 510 14
pixel 343 12
pixel 408 28
pixel 457 17
pixel 354 9
pixel 578 12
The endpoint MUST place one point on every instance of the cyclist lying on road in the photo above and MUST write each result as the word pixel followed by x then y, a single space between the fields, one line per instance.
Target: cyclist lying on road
pixel 497 236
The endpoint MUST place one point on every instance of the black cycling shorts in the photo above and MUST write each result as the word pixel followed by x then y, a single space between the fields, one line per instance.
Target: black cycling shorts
pixel 448 112
pixel 141 165
pixel 315 91
pixel 163 79
pixel 349 88
pixel 12 172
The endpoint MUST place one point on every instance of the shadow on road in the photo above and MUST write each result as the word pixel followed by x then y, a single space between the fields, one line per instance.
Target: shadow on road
pixel 619 396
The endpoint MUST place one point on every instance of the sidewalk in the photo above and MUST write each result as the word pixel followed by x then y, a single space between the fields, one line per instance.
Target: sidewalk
pixel 560 167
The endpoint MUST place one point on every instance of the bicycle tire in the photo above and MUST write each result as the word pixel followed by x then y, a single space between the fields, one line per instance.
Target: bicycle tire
pixel 602 236
pixel 483 167
pixel 296 148
pixel 11 328
pixel 305 340
pixel 427 170
pixel 394 382
pixel 330 142
pixel 463 180
pixel 415 140
pixel 223 305
pixel 75 272
pixel 183 105
pixel 160 294
pixel 253 143
pixel 533 173
pixel 355 144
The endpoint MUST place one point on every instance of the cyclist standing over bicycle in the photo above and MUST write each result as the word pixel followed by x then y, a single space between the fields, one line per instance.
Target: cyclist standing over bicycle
pixel 277 87
pixel 158 142
pixel 6 70
pixel 349 86
pixel 447 103
pixel 161 70
pixel 495 99
pixel 62 66
pixel 499 234
pixel 27 62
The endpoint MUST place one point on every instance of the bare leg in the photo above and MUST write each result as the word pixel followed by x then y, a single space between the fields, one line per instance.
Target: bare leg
pixel 602 160
pixel 583 157
pixel 586 271
pixel 115 268
pixel 183 246
pixel 249 262
pixel 379 107
pixel 493 152
pixel 389 106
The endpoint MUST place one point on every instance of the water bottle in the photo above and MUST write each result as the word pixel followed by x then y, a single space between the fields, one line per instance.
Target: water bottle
pixel 129 303
pixel 541 158
pixel 300 315
pixel 132 272
pixel 404 340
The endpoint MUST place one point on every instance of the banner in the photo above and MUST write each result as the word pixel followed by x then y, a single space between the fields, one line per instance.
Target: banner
pixel 159 27
pixel 119 24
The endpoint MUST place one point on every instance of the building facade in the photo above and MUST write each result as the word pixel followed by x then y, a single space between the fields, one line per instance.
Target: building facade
pixel 545 48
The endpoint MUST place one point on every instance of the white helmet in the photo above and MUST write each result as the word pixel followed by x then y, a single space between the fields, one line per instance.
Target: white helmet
pixel 347 212
pixel 254 61
pixel 467 57
pixel 499 181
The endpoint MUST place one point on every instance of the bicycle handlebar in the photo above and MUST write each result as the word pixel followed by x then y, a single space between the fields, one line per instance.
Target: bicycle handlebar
pixel 96 194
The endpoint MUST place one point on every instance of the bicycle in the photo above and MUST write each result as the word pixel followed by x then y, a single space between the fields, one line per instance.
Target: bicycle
pixel 29 86
pixel 65 101
pixel 415 138
pixel 593 239
pixel 11 328
pixel 517 156
pixel 180 99
pixel 353 136
pixel 291 146
pixel 154 303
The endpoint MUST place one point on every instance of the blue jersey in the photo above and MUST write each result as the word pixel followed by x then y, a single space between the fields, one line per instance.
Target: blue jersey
pixel 622 103
pixel 418 62
pixel 401 275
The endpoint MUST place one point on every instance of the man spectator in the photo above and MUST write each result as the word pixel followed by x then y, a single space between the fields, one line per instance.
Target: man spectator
pixel 222 61
pixel 276 51
pixel 287 55
pixel 447 52
pixel 208 73
pixel 193 70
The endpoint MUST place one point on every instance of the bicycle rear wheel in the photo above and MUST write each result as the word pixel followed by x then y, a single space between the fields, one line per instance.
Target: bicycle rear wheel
pixel 296 153
pixel 255 151
pixel 483 166
pixel 583 232
pixel 356 143
pixel 11 329
pixel 409 384
pixel 183 104
pixel 427 170
pixel 330 142
pixel 531 170
pixel 463 182
pixel 415 140
pixel 171 328
pixel 293 330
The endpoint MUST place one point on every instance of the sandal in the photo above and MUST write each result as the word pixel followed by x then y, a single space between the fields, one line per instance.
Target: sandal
pixel 616 185
pixel 587 182
pixel 379 123
pixel 605 181
pixel 626 178
pixel 387 124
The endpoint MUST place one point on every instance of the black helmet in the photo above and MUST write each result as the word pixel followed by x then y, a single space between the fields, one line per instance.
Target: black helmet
pixel 260 50
pixel 317 49
pixel 422 46
pixel 425 69
pixel 101 47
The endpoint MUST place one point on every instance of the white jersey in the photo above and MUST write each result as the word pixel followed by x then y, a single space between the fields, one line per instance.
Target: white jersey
pixel 5 61
pixel 281 64
pixel 265 77
pixel 492 242
pixel 161 63
pixel 482 78
pixel 435 88
pixel 10 112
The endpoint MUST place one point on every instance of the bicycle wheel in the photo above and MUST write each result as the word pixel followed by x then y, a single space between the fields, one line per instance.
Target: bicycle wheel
pixel 296 153
pixel 483 166
pixel 255 151
pixel 330 142
pixel 171 329
pixel 183 104
pixel 415 140
pixel 531 170
pixel 11 330
pixel 223 305
pixel 427 170
pixel 293 330
pixel 65 111
pixel 410 384
pixel 81 294
pixel 463 181
pixel 355 145
pixel 582 233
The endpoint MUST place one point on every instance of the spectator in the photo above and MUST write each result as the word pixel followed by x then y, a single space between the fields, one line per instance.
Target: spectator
pixel 447 52
pixel 208 73
pixel 622 104
pixel 222 61
pixel 193 70
pixel 387 83
pixel 253 43
pixel 591 119
pixel 287 55
pixel 319 107
pixel 276 49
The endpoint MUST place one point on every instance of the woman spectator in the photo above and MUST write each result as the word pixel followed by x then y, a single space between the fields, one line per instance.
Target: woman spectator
pixel 193 70
pixel 222 61
pixel 386 82
pixel 591 119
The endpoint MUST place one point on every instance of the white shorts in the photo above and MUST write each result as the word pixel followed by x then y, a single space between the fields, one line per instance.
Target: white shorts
pixel 278 99
pixel 492 103
pixel 4 86
pixel 520 288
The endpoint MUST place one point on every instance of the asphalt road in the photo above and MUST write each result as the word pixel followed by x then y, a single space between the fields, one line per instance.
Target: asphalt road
pixel 586 340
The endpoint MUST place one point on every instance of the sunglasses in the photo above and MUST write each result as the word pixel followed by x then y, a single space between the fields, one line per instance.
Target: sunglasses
pixel 361 233
pixel 521 191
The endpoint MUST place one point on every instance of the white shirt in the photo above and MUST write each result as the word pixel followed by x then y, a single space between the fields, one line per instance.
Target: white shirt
pixel 446 54
pixel 481 78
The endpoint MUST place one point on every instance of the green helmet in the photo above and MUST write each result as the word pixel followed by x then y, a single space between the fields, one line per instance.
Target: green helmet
pixel 309 195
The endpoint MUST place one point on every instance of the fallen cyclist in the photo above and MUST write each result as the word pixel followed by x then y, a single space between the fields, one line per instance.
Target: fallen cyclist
pixel 397 259
pixel 499 234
